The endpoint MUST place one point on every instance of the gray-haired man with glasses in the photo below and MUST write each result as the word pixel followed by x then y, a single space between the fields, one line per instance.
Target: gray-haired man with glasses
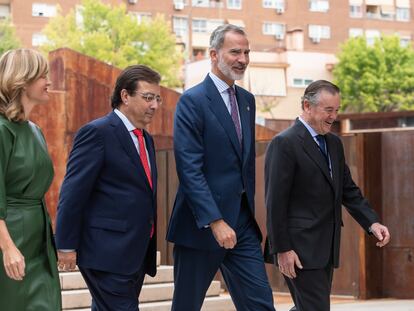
pixel 107 207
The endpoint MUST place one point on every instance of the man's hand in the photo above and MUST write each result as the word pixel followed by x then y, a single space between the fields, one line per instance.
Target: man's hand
pixel 223 233
pixel 67 260
pixel 14 263
pixel 381 233
pixel 287 262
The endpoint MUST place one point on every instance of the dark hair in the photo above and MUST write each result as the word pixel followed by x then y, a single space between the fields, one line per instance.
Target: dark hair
pixel 128 80
pixel 314 89
pixel 217 37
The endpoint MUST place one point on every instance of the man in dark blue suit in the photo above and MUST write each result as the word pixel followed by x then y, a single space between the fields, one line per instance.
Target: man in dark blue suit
pixel 212 223
pixel 107 207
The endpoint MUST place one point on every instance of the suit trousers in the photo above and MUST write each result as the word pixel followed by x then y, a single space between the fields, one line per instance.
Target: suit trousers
pixel 311 289
pixel 242 268
pixel 114 292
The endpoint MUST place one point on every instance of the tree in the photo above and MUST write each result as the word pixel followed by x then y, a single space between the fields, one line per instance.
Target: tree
pixel 376 78
pixel 8 38
pixel 110 34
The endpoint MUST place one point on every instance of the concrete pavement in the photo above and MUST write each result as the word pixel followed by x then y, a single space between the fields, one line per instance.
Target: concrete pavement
pixel 364 305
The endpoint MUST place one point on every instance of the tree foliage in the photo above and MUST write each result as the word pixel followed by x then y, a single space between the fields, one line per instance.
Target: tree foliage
pixel 8 38
pixel 110 34
pixel 375 78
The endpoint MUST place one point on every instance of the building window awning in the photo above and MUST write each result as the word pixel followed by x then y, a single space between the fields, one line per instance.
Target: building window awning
pixel 388 9
pixel 355 2
pixel 379 2
pixel 402 3
pixel 236 22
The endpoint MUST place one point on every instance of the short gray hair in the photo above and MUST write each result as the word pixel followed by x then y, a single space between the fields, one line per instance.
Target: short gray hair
pixel 313 91
pixel 217 37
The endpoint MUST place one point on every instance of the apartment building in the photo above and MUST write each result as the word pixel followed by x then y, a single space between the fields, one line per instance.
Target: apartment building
pixel 293 42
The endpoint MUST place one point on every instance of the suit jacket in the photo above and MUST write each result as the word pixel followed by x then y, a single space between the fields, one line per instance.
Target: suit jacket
pixel 213 169
pixel 107 207
pixel 304 202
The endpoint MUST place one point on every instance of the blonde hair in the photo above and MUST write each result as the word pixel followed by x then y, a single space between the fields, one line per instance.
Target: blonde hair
pixel 18 68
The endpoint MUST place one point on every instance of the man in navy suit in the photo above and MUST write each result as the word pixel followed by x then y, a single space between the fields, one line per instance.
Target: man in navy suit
pixel 107 207
pixel 212 223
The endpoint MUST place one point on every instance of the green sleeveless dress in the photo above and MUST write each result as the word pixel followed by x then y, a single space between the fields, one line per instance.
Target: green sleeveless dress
pixel 26 173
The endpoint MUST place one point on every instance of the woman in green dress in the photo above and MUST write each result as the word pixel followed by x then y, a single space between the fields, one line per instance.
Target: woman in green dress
pixel 29 279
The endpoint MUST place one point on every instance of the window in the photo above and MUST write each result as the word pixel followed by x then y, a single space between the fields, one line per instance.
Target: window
pixel 38 39
pixel 318 5
pixel 355 11
pixel 4 11
pixel 402 14
pixel 199 25
pixel 387 12
pixel 405 41
pixel 180 26
pixel 234 4
pixel 300 82
pixel 356 32
pixel 212 24
pixel 274 29
pixel 206 26
pixel 317 32
pixel 141 17
pixel 371 35
pixel 373 11
pixel 43 9
pixel 274 4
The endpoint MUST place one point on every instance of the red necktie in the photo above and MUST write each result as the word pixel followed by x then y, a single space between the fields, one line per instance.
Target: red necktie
pixel 143 154
pixel 144 160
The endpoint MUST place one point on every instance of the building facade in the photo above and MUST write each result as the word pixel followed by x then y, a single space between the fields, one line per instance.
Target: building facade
pixel 293 42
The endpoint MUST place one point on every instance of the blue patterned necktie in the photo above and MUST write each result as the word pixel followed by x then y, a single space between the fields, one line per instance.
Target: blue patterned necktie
pixel 322 146
pixel 234 113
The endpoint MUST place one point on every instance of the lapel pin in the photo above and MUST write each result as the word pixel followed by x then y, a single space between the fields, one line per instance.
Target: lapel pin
pixel 248 108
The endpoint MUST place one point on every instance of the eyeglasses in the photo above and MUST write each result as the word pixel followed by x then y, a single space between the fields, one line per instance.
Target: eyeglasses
pixel 150 97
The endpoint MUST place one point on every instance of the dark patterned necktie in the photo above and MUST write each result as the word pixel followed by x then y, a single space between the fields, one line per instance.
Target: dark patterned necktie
pixel 234 113
pixel 322 146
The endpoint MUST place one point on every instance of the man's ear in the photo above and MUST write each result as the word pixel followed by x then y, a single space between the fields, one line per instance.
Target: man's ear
pixel 213 55
pixel 124 96
pixel 306 106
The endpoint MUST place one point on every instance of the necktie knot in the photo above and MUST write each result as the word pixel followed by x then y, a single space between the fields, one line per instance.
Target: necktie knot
pixel 138 132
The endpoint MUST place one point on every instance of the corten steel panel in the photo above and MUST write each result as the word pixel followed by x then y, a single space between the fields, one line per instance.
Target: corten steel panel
pixel 399 272
pixel 371 257
pixel 162 203
pixel 172 186
pixel 398 213
pixel 50 118
pixel 345 280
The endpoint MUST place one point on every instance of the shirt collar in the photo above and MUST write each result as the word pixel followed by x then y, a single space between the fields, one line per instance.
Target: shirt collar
pixel 221 85
pixel 308 127
pixel 130 127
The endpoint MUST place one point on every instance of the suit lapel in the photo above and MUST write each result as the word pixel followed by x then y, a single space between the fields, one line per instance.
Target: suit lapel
pixel 333 155
pixel 127 144
pixel 218 107
pixel 311 148
pixel 244 112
